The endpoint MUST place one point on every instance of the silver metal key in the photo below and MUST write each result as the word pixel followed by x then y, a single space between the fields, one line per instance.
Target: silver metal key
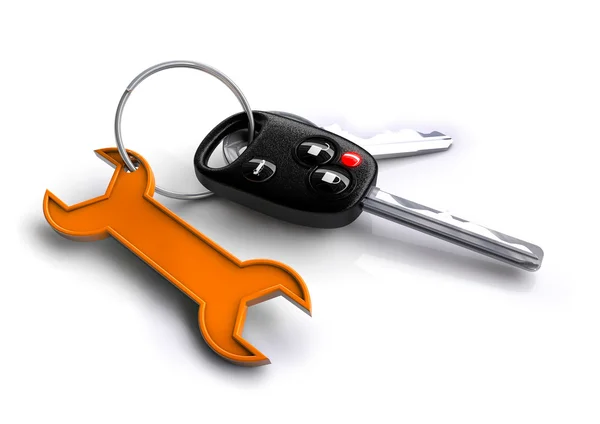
pixel 439 224
pixel 386 145
pixel 447 227
pixel 397 144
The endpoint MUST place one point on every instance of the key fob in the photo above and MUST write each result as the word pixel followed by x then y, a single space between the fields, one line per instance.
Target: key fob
pixel 292 171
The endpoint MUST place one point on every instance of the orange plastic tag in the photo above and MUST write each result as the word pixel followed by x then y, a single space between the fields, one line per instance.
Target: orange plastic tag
pixel 221 284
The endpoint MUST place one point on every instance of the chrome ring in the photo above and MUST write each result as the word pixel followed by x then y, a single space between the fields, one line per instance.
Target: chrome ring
pixel 161 67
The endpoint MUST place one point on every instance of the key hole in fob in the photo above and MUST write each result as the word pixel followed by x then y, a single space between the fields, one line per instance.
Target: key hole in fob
pixel 234 144
pixel 229 149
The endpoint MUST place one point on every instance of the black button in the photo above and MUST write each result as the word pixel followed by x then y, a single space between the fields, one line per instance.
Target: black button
pixel 329 181
pixel 258 170
pixel 315 151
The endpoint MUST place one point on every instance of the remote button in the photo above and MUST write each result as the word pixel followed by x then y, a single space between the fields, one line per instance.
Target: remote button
pixel 315 151
pixel 351 159
pixel 329 181
pixel 258 170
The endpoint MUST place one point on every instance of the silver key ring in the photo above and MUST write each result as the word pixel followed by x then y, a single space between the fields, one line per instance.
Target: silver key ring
pixel 161 67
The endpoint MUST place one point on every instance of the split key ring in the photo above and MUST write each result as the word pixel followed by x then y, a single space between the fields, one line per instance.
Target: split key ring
pixel 161 67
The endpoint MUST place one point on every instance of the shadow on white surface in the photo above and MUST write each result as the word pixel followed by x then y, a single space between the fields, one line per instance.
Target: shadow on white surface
pixel 406 251
pixel 403 244
pixel 379 250
pixel 157 288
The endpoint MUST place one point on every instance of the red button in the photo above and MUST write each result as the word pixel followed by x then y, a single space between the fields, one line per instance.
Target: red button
pixel 351 159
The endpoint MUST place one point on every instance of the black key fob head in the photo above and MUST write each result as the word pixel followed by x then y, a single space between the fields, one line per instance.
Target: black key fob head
pixel 292 171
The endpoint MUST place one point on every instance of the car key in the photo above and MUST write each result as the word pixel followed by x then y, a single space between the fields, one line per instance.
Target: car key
pixel 382 146
pixel 306 175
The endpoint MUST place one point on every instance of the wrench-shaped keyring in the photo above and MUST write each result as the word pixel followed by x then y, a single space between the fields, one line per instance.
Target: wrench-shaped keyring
pixel 221 284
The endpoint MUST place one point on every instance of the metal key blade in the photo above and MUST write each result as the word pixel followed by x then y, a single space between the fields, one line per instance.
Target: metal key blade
pixel 397 144
pixel 472 236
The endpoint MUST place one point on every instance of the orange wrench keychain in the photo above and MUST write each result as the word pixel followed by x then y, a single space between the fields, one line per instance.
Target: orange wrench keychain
pixel 221 284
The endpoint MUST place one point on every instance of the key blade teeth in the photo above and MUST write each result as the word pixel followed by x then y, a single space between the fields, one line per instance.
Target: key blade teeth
pixel 445 140
pixel 433 144
pixel 445 226
pixel 433 134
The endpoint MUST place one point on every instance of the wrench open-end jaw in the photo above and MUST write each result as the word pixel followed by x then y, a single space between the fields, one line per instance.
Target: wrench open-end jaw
pixel 222 285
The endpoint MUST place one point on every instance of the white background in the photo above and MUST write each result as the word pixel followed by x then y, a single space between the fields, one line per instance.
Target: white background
pixel 405 328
